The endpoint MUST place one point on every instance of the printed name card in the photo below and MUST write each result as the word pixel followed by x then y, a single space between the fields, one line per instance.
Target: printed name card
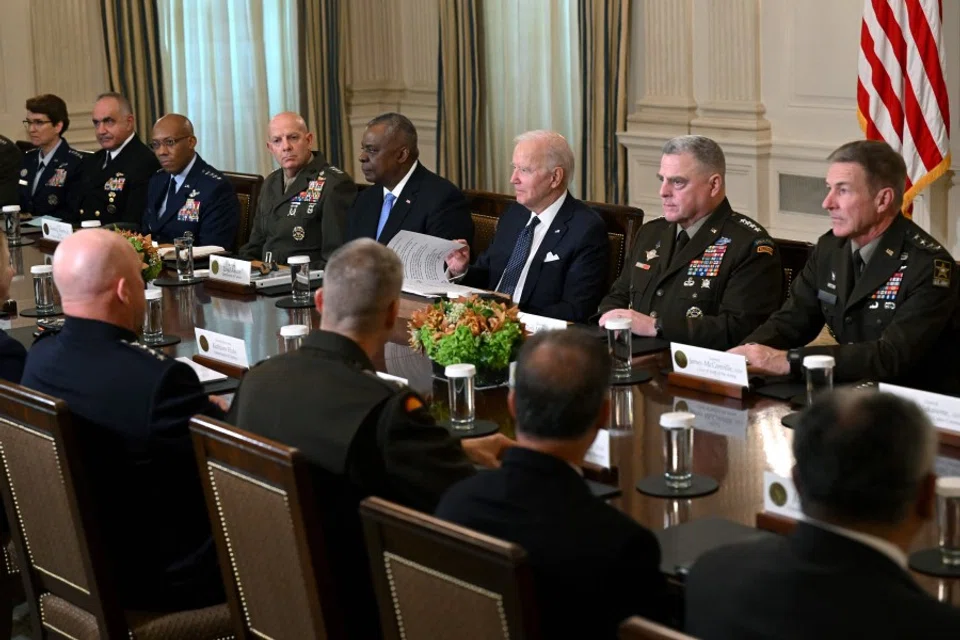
pixel 943 411
pixel 719 366
pixel 535 323
pixel 715 418
pixel 229 270
pixel 57 231
pixel 599 452
pixel 780 496
pixel 223 348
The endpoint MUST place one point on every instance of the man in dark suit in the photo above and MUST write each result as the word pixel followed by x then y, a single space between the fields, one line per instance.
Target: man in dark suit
pixel 693 275
pixel 50 176
pixel 12 353
pixel 550 251
pixel 885 288
pixel 361 435
pixel 303 204
pixel 10 159
pixel 405 195
pixel 864 472
pixel 593 566
pixel 188 194
pixel 131 406
pixel 115 178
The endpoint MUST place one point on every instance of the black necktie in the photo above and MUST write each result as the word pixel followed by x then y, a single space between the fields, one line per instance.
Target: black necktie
pixel 680 242
pixel 36 178
pixel 857 265
pixel 106 163
pixel 518 259
pixel 171 191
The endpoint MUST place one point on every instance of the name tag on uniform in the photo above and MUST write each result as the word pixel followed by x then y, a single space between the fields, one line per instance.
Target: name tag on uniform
pixel 222 348
pixel 826 296
pixel 230 270
pixel 56 231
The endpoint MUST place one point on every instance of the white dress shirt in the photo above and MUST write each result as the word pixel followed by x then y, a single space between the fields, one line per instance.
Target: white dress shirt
pixel 400 185
pixel 539 233
pixel 113 153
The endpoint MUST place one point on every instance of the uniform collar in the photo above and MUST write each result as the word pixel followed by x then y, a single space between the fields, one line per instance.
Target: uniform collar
pixel 45 159
pixel 182 176
pixel 398 189
pixel 867 250
pixel 339 345
pixel 96 329
pixel 115 152
pixel 693 228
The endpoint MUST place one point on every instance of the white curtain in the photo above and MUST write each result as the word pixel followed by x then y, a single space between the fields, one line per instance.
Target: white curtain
pixel 531 77
pixel 229 65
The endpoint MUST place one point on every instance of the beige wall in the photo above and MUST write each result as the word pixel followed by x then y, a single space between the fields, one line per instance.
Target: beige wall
pixel 51 46
pixel 775 83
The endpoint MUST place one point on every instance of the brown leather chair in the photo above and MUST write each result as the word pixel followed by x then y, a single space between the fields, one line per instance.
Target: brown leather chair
pixel 637 628
pixel 437 580
pixel 66 580
pixel 793 256
pixel 622 222
pixel 268 534
pixel 248 187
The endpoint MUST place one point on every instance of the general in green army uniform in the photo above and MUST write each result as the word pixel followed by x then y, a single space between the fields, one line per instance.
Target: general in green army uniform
pixel 702 274
pixel 885 289
pixel 303 204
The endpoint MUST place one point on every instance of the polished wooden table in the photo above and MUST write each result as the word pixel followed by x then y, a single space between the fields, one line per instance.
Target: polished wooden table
pixel 736 457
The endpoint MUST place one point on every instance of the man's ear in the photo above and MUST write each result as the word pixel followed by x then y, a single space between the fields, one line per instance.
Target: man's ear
pixel 392 313
pixel 884 200
pixel 318 300
pixel 512 403
pixel 122 291
pixel 716 184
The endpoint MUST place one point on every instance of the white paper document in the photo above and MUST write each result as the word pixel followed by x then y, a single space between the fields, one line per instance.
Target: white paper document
pixel 535 323
pixel 943 411
pixel 599 452
pixel 206 374
pixel 423 256
pixel 436 289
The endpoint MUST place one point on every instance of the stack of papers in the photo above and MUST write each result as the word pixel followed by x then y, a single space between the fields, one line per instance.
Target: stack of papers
pixel 168 253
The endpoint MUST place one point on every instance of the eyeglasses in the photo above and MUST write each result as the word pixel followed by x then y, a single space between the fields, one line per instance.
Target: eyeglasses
pixel 35 123
pixel 169 143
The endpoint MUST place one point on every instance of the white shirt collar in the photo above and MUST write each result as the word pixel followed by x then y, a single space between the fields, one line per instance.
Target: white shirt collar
pixel 398 189
pixel 47 158
pixel 539 233
pixel 115 152
pixel 182 176
pixel 888 549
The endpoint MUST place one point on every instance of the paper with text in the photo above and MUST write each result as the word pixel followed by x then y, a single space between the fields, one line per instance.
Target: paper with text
pixel 223 348
pixel 943 411
pixel 230 270
pixel 535 323
pixel 721 366
pixel 423 256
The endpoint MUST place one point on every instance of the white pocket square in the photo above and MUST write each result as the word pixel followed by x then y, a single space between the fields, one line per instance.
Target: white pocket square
pixel 551 257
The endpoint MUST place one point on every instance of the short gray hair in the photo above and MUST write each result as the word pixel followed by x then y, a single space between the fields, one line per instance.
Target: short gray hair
pixel 704 150
pixel 556 150
pixel 125 107
pixel 861 457
pixel 360 280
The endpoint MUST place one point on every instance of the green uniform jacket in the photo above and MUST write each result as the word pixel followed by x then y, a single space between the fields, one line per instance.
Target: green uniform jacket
pixel 719 288
pixel 307 219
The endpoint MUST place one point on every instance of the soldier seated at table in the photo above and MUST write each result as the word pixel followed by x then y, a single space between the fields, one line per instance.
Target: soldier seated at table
pixel 131 407
pixel 864 472
pixel 303 204
pixel 702 274
pixel 115 178
pixel 360 434
pixel 885 289
pixel 50 175
pixel 187 195
pixel 538 499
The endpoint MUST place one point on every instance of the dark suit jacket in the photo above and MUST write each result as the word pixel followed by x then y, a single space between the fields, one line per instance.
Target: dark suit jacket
pixel 119 192
pixel 593 566
pixel 428 204
pixel 130 407
pixel 59 186
pixel 569 288
pixel 205 205
pixel 10 158
pixel 811 584
pixel 13 355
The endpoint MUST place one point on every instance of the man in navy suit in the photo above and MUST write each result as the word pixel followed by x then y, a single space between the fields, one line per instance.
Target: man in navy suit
pixel 593 565
pixel 188 194
pixel 405 195
pixel 50 174
pixel 550 250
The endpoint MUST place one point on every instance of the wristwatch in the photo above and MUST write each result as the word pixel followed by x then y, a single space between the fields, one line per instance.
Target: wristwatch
pixel 795 359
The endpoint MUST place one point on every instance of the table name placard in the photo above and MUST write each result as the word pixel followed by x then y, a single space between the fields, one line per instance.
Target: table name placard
pixel 599 451
pixel 230 270
pixel 719 366
pixel 56 231
pixel 780 496
pixel 943 411
pixel 223 348
pixel 535 323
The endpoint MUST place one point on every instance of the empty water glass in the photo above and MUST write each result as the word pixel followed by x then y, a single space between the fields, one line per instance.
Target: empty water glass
pixel 948 519
pixel 43 296
pixel 619 341
pixel 300 278
pixel 460 388
pixel 293 336
pixel 819 372
pixel 621 408
pixel 153 318
pixel 11 223
pixel 183 247
pixel 678 448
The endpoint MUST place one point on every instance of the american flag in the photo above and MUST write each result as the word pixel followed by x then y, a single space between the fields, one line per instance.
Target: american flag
pixel 901 92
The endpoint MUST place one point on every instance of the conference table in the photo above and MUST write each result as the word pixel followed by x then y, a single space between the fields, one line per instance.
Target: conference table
pixel 739 442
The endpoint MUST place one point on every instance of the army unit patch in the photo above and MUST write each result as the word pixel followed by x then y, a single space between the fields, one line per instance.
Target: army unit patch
pixel 708 265
pixel 941 273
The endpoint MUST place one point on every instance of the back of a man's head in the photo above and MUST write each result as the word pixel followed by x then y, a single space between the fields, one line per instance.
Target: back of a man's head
pixel 561 383
pixel 861 457
pixel 360 281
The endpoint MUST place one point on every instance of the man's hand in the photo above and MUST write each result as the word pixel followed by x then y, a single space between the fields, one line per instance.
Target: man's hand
pixel 488 450
pixel 458 259
pixel 221 402
pixel 764 360
pixel 640 323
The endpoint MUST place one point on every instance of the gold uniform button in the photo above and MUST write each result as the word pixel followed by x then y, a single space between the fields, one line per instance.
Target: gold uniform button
pixel 96 213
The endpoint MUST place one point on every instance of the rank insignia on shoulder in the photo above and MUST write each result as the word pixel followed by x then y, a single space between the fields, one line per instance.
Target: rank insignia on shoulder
pixel 765 249
pixel 412 403
pixel 941 273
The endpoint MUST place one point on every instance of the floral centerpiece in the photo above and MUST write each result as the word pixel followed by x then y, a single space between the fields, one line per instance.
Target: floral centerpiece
pixel 152 264
pixel 482 332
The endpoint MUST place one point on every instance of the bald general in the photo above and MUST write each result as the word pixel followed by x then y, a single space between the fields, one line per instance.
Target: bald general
pixel 98 275
pixel 173 142
pixel 290 142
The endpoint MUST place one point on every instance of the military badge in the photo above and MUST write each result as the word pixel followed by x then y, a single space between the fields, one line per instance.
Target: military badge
pixel 193 194
pixel 652 254
pixel 705 284
pixel 941 273
pixel 689 282
pixel 723 240
pixel 23 173
pixel 904 256
pixel 874 305
pixel 890 290
pixel 299 234
pixel 52 200
pixel 694 312
pixel 189 212
pixel 58 178
pixel 708 265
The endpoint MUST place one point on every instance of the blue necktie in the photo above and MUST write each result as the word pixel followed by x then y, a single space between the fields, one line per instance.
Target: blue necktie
pixel 518 259
pixel 171 191
pixel 385 212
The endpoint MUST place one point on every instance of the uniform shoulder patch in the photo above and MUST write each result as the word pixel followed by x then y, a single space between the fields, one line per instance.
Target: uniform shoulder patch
pixel 942 271
pixel 75 153
pixel 136 346
pixel 764 245
pixel 213 173
pixel 334 169
pixel 923 240
pixel 744 221
pixel 412 403
pixel 34 150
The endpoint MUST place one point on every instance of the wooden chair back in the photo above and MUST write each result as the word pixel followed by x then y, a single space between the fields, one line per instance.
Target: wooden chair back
pixel 248 188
